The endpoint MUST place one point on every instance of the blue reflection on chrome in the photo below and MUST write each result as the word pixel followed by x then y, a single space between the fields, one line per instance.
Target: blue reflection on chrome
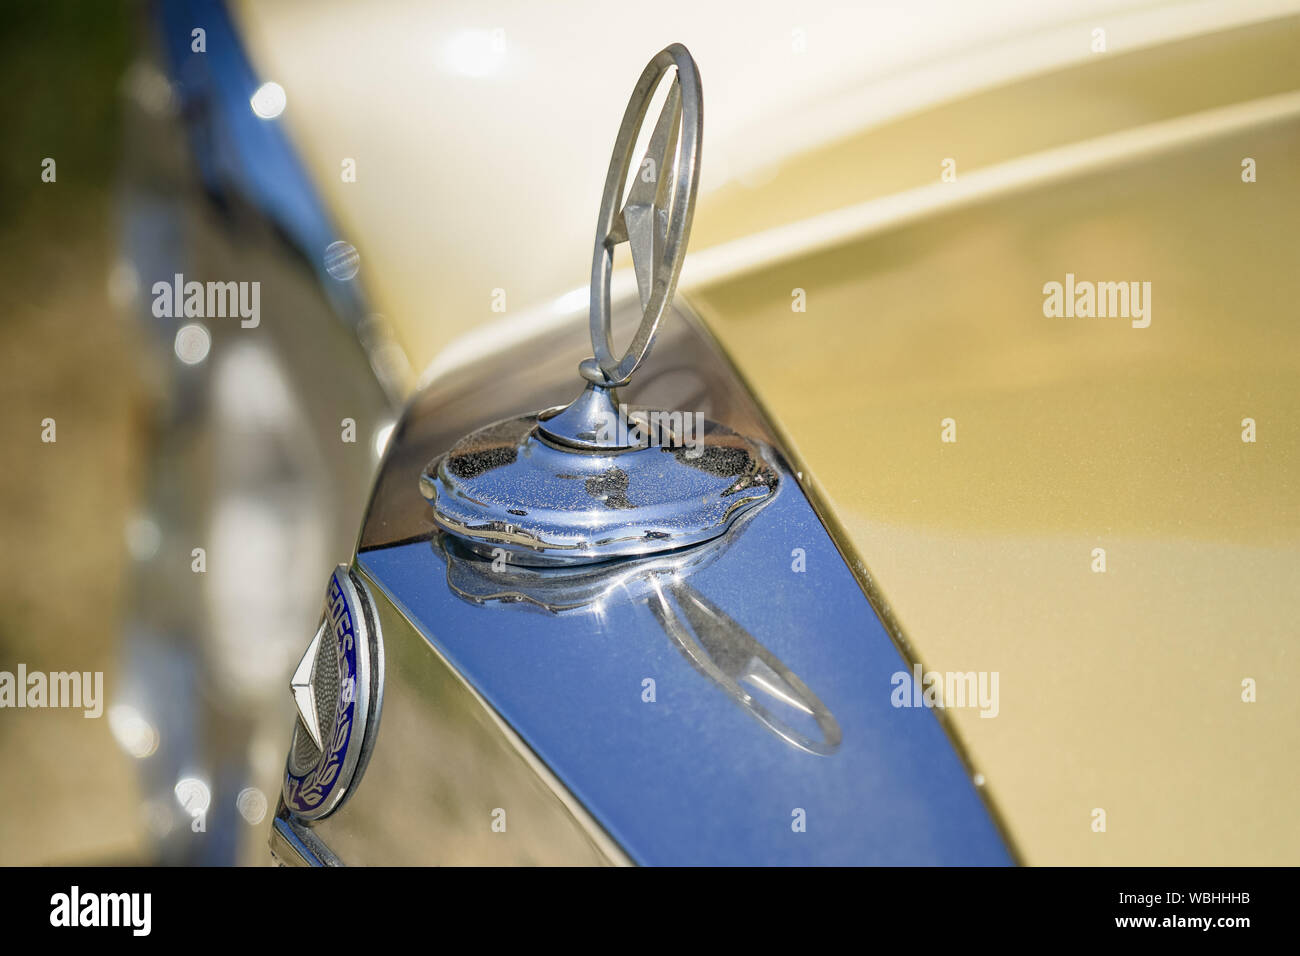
pixel 238 153
pixel 692 778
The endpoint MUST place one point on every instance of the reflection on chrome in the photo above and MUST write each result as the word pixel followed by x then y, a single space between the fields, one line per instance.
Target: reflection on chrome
pixel 716 646
pixel 252 805
pixel 269 100
pixel 725 652
pixel 133 733
pixel 513 487
pixel 194 795
pixel 192 344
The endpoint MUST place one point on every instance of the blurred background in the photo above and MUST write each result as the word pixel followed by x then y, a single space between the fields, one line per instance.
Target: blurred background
pixel 408 183
pixel 69 794
pixel 175 532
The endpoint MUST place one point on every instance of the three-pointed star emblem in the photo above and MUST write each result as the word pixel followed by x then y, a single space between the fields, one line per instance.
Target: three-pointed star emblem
pixel 304 690
pixel 643 222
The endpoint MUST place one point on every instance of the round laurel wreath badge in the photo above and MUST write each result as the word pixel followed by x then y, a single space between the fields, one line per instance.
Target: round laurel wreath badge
pixel 337 687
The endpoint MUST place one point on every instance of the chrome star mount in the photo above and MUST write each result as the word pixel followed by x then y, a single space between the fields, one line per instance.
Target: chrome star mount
pixel 588 482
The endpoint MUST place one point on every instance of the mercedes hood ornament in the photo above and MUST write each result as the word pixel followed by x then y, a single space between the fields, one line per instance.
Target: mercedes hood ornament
pixel 594 480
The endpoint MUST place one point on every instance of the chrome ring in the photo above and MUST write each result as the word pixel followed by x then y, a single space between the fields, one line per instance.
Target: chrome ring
pixel 666 269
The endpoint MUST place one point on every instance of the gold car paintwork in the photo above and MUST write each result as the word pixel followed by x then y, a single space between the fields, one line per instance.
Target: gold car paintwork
pixel 1120 691
pixel 1106 95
